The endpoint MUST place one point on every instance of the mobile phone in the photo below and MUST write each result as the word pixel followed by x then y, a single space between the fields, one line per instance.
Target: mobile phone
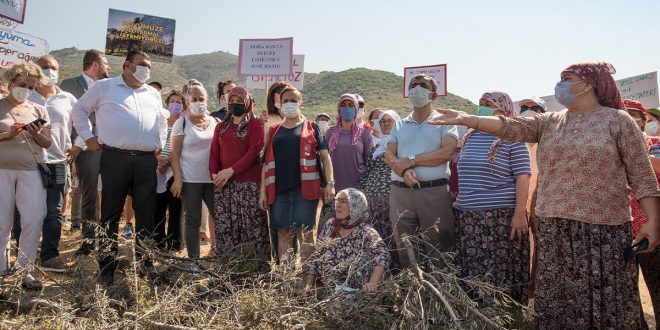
pixel 36 122
pixel 634 250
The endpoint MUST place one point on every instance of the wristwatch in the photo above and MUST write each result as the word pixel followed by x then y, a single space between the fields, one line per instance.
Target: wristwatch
pixel 412 159
pixel 331 183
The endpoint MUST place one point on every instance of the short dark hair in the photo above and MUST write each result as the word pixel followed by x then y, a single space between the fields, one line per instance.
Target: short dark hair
pixel 92 56
pixel 221 86
pixel 158 85
pixel 184 101
pixel 131 55
pixel 434 84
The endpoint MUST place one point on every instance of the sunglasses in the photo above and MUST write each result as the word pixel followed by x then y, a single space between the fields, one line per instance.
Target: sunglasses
pixel 534 108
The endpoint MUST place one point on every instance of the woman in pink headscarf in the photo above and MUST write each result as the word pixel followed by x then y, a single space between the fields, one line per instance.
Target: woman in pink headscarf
pixel 349 144
pixel 588 156
pixel 491 214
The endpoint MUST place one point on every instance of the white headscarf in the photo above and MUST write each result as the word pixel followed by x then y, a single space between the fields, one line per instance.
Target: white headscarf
pixel 380 149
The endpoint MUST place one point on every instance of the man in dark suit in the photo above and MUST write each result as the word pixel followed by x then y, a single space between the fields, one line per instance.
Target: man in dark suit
pixel 87 163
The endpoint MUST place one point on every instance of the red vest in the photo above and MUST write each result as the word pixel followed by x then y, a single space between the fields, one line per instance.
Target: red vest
pixel 309 167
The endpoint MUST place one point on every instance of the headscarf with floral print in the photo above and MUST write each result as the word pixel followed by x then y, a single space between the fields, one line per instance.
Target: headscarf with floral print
pixel 248 100
pixel 599 75
pixel 504 104
pixel 358 207
pixel 356 130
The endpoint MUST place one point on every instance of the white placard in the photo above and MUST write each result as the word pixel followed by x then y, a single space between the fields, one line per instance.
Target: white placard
pixel 438 72
pixel 16 47
pixel 13 10
pixel 265 57
pixel 643 88
pixel 296 78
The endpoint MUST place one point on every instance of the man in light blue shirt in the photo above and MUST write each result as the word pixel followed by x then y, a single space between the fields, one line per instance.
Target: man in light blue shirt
pixel 419 155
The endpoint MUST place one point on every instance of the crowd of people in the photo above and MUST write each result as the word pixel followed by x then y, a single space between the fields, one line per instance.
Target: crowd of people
pixel 545 204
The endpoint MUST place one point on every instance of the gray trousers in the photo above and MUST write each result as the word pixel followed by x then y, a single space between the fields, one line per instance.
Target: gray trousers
pixel 426 213
pixel 88 167
pixel 192 196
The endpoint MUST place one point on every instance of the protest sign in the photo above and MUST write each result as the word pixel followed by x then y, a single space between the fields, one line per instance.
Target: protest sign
pixel 13 10
pixel 265 57
pixel 438 72
pixel 643 88
pixel 16 47
pixel 129 31
pixel 296 78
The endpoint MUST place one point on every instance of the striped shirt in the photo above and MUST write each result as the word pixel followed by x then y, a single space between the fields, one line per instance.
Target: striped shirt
pixel 166 148
pixel 484 185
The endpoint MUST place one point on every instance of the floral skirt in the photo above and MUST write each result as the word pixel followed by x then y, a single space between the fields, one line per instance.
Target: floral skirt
pixel 379 213
pixel 584 281
pixel 240 225
pixel 485 250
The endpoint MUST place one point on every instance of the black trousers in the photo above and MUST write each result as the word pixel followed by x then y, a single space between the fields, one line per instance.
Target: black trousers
pixel 165 202
pixel 119 173
pixel 88 166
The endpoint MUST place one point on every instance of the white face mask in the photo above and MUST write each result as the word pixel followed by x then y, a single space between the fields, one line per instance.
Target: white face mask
pixel 323 125
pixel 528 113
pixel 198 107
pixel 20 93
pixel 142 73
pixel 419 96
pixel 290 109
pixel 360 113
pixel 651 128
pixel 51 75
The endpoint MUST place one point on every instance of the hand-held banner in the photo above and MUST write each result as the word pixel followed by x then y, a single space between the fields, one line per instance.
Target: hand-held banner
pixel 132 31
pixel 16 47
pixel 296 79
pixel 438 72
pixel 265 57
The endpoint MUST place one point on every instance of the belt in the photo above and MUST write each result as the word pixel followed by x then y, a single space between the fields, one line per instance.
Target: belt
pixel 422 184
pixel 130 152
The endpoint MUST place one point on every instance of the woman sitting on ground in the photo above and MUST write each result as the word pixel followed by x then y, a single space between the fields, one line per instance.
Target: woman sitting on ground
pixel 349 255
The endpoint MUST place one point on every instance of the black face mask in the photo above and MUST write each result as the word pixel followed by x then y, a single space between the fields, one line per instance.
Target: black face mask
pixel 237 109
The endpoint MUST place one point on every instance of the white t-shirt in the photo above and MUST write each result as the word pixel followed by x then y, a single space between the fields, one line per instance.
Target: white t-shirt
pixel 195 150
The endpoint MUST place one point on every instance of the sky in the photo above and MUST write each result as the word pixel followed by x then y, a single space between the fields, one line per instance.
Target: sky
pixel 519 47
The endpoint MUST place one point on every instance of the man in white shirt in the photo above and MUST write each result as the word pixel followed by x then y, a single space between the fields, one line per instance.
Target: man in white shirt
pixel 131 131
pixel 86 162
pixel 58 103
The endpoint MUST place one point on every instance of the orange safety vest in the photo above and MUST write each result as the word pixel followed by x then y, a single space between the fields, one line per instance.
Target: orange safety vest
pixel 309 167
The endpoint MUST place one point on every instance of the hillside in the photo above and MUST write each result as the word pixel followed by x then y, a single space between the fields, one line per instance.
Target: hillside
pixel 380 88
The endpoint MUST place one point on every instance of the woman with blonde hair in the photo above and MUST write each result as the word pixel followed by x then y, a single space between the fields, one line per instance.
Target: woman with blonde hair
pixel 24 133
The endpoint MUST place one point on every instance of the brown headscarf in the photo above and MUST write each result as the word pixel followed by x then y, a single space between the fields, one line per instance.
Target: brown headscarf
pixel 599 75
pixel 248 100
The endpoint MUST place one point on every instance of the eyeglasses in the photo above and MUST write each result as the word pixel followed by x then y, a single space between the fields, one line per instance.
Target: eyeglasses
pixel 341 201
pixel 534 108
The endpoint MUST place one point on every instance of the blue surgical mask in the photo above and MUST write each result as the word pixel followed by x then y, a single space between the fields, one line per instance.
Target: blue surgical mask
pixel 483 110
pixel 347 113
pixel 563 93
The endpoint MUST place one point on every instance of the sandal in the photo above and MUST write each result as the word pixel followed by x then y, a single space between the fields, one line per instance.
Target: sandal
pixel 31 283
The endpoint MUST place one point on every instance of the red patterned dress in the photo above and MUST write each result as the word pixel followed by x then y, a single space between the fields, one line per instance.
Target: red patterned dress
pixel 638 216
